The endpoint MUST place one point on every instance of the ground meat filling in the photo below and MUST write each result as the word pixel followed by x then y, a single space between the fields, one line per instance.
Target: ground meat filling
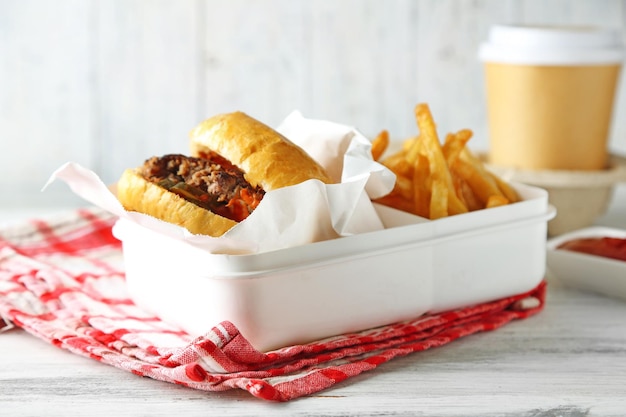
pixel 211 183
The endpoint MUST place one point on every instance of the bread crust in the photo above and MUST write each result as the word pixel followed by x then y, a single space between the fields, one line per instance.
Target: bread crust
pixel 266 157
pixel 138 194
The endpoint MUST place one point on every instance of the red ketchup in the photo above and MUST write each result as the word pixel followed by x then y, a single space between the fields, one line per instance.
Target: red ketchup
pixel 608 247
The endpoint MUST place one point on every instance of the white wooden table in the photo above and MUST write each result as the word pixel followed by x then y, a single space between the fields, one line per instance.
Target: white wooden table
pixel 570 360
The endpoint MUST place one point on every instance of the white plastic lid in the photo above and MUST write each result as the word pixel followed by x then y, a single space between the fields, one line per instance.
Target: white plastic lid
pixel 552 45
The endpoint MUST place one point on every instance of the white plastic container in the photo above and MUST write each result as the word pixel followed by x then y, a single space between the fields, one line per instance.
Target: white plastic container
pixel 593 273
pixel 310 292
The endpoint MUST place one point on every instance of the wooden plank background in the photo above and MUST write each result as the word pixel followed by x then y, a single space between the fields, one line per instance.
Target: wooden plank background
pixel 109 83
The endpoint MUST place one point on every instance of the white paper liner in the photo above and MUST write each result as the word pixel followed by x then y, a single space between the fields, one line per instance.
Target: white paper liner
pixel 291 216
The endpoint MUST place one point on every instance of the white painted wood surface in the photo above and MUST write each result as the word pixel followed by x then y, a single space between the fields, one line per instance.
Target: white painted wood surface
pixel 568 361
pixel 110 83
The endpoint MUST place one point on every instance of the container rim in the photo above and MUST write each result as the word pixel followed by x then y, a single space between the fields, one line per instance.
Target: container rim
pixel 242 273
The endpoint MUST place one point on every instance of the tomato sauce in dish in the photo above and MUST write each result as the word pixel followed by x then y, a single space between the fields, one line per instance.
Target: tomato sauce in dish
pixel 607 247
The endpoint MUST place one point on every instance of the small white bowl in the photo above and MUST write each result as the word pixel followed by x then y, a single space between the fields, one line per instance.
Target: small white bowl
pixel 579 196
pixel 593 273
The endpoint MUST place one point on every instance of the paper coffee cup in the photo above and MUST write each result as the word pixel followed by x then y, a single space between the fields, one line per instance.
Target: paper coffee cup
pixel 550 94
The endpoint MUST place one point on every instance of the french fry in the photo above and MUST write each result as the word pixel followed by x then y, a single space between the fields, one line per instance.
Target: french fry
pixel 405 187
pixel 399 165
pixel 409 142
pixel 396 201
pixel 454 145
pixel 438 167
pixel 496 200
pixel 465 191
pixel 414 150
pixel 506 189
pixel 477 164
pixel 380 144
pixel 435 180
pixel 439 199
pixel 421 187
pixel 481 185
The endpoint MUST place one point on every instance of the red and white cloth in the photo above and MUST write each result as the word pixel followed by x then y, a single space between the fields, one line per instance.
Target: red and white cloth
pixel 62 280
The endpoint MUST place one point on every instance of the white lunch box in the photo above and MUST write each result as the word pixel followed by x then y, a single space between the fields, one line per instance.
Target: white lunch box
pixel 305 293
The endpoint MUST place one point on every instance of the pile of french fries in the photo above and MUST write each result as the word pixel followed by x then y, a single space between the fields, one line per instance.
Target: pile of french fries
pixel 435 180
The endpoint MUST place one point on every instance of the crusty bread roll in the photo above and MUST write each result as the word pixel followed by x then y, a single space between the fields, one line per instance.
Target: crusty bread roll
pixel 267 158
pixel 235 160
pixel 137 194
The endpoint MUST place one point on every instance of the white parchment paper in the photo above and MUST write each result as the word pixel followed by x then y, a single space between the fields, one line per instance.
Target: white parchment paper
pixel 290 216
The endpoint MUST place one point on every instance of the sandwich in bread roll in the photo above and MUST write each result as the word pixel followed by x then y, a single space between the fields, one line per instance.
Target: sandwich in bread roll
pixel 235 160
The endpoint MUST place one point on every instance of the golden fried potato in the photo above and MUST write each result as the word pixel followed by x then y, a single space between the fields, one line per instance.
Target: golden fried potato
pixel 435 180
pixel 380 144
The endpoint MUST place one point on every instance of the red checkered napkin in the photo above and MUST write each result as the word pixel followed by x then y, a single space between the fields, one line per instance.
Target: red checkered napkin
pixel 62 280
